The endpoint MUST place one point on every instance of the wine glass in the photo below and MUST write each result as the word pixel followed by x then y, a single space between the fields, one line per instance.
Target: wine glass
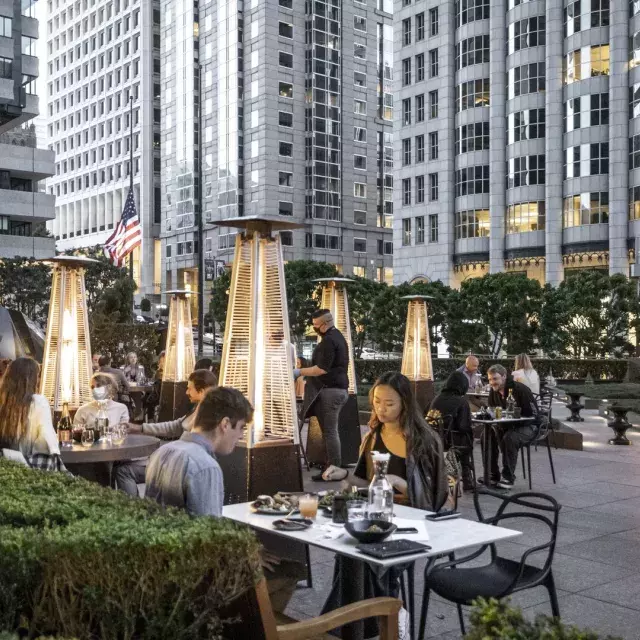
pixel 120 433
pixel 87 438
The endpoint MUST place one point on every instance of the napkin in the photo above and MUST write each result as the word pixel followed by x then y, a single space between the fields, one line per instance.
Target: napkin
pixel 331 531
pixel 403 523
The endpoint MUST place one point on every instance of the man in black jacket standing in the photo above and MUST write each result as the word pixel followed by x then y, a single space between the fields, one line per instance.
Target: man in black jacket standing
pixel 509 438
pixel 326 389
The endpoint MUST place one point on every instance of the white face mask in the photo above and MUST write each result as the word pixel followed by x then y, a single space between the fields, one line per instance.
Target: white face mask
pixel 99 393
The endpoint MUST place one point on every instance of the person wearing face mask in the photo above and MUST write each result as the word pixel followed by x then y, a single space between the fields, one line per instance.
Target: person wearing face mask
pixel 103 390
pixel 326 390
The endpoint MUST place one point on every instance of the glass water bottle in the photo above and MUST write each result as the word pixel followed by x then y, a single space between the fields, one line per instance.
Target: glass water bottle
pixel 380 490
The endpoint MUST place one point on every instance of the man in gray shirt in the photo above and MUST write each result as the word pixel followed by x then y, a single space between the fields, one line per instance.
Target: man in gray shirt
pixel 186 473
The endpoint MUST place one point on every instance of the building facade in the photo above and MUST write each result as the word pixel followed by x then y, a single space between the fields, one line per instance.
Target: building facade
pixel 296 121
pixel 103 96
pixel 511 117
pixel 24 208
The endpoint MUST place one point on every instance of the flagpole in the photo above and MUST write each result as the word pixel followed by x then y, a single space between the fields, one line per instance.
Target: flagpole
pixel 200 224
pixel 131 169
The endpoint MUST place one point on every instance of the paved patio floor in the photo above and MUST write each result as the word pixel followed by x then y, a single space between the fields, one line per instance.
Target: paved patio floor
pixel 597 561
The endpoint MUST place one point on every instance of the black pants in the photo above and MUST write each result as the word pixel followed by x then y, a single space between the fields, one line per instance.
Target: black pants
pixel 508 440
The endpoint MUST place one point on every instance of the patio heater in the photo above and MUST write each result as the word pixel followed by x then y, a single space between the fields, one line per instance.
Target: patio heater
pixel 334 298
pixel 66 362
pixel 416 355
pixel 179 358
pixel 258 359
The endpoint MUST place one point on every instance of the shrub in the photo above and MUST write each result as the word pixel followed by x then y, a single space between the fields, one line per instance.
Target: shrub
pixel 120 339
pixel 499 621
pixel 80 560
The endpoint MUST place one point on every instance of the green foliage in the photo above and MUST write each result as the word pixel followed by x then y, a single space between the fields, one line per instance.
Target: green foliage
pixel 362 295
pixel 108 336
pixel 80 560
pixel 220 297
pixel 497 620
pixel 608 391
pixel 25 285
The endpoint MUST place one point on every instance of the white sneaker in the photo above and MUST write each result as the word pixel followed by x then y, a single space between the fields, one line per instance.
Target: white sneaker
pixel 334 474
pixel 404 625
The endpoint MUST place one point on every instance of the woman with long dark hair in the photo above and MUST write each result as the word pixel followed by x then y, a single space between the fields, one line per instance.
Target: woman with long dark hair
pixel 25 416
pixel 416 467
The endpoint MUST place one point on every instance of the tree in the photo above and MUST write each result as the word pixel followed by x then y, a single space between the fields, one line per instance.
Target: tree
pixel 220 297
pixel 505 309
pixel 25 285
pixel 362 294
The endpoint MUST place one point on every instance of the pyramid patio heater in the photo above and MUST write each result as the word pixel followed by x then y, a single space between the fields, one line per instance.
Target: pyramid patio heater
pixel 179 358
pixel 334 298
pixel 416 355
pixel 66 361
pixel 258 359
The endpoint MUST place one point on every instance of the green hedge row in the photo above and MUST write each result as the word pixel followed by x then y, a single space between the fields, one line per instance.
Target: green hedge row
pixel 80 560
pixel 369 370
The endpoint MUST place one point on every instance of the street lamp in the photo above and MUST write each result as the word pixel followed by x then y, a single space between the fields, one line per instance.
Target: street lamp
pixel 179 358
pixel 416 355
pixel 334 298
pixel 258 359
pixel 66 362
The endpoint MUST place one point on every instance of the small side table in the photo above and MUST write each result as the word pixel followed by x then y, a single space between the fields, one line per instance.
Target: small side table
pixel 620 424
pixel 575 407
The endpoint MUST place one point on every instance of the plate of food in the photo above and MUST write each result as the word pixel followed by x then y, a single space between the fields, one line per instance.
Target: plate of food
pixel 292 524
pixel 277 505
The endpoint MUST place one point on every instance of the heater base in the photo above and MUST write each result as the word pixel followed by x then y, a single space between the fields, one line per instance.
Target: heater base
pixel 424 393
pixel 262 470
pixel 173 401
pixel 349 431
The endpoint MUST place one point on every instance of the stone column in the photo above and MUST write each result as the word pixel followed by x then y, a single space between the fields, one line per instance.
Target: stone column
pixel 554 149
pixel 497 134
pixel 618 137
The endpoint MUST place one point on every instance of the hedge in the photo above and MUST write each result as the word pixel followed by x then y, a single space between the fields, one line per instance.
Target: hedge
pixel 368 370
pixel 80 560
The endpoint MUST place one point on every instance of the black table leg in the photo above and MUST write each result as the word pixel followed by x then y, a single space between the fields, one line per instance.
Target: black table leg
pixel 348 587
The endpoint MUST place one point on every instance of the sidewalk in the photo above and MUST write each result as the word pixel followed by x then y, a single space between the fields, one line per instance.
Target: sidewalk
pixel 597 560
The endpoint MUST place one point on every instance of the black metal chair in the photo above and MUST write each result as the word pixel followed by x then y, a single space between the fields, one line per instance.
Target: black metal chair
pixel 543 431
pixel 502 576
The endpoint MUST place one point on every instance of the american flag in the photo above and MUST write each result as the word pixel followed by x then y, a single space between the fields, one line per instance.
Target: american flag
pixel 127 234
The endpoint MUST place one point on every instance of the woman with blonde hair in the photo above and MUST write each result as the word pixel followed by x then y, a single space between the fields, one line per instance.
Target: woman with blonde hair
pixel 526 374
pixel 104 388
pixel 25 416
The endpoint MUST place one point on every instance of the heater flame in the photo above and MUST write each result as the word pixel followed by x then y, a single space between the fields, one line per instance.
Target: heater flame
pixel 69 353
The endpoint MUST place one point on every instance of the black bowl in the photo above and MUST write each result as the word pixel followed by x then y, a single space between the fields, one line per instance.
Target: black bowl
pixel 359 530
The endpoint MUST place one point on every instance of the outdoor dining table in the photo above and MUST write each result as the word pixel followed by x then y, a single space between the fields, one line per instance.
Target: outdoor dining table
pixel 95 462
pixel 444 538
pixel 489 434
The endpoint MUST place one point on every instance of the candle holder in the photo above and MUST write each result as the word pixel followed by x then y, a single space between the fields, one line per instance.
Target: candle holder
pixel 334 298
pixel 416 354
pixel 179 358
pixel 258 359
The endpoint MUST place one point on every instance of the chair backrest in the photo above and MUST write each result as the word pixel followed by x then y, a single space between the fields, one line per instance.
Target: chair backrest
pixel 540 507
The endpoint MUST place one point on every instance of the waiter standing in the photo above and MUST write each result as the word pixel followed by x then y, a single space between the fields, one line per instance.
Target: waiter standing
pixel 326 390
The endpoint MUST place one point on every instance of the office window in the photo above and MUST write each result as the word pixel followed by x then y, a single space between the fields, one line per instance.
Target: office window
pixel 524 217
pixel 359 245
pixel 359 190
pixel 419 228
pixel 359 51
pixel 472 180
pixel 433 228
pixel 286 238
pixel 420 148
pixel 433 104
pixel 406 151
pixel 472 224
pixel 406 72
pixel 472 137
pixel 287 4
pixel 526 125
pixel 420 26
pixel 406 111
pixel 285 90
pixel 471 10
pixel 525 170
pixel 406 232
pixel 472 51
pixel 580 14
pixel 285 208
pixel 420 67
pixel 285 119
pixel 419 189
pixel 360 23
pixel 433 21
pixel 359 79
pixel 433 145
pixel 360 107
pixel 529 78
pixel 285 179
pixel 285 59
pixel 585 209
pixel 6 68
pixel 359 134
pixel 586 62
pixel 587 160
pixel 433 187
pixel 406 32
pixel 406 192
pixel 6 27
pixel 359 217
pixel 286 149
pixel 285 29
pixel 433 63
pixel 360 162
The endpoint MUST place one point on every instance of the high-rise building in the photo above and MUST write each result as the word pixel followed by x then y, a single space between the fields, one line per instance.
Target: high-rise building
pixel 103 93
pixel 296 121
pixel 517 131
pixel 24 209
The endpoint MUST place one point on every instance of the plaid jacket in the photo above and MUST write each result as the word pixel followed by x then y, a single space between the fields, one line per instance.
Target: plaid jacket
pixel 47 462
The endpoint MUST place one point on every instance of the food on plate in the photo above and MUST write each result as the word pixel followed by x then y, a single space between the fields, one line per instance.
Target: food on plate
pixel 282 503
pixel 374 528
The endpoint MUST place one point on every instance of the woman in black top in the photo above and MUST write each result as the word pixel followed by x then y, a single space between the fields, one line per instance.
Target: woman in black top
pixel 452 403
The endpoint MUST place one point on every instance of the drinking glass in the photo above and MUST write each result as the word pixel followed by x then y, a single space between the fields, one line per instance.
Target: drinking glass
pixel 308 506
pixel 87 438
pixel 356 510
pixel 120 433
